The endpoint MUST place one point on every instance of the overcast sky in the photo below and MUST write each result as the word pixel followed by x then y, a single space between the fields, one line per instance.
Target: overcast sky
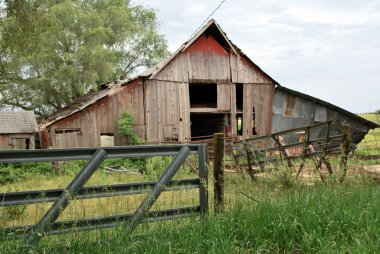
pixel 327 49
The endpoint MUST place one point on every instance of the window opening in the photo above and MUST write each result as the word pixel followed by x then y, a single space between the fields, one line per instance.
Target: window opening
pixel 203 95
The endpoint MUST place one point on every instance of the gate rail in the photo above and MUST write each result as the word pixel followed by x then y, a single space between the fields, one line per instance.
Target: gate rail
pixel 75 190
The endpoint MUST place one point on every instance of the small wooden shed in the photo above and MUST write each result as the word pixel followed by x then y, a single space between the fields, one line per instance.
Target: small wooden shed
pixel 208 85
pixel 17 130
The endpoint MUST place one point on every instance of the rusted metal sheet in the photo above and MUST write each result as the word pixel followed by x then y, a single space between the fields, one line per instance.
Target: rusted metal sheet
pixel 292 109
pixel 289 105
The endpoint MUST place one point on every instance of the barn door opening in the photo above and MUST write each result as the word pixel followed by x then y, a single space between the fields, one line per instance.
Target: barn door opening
pixel 204 125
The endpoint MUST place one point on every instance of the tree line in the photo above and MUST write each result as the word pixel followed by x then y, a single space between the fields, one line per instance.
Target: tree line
pixel 54 51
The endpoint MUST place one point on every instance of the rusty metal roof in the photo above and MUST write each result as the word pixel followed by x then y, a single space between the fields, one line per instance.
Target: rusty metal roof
pixel 81 103
pixel 17 122
pixel 370 124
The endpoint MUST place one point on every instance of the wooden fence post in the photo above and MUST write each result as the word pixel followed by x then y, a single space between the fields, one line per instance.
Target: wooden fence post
pixel 219 172
pixel 250 162
pixel 345 150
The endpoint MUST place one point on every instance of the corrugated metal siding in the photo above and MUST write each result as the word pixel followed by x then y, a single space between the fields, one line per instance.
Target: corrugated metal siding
pixel 306 112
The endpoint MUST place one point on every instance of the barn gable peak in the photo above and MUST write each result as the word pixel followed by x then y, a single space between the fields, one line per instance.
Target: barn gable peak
pixel 210 28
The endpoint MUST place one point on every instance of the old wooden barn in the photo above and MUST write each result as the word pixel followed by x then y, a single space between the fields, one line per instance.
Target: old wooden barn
pixel 17 130
pixel 208 85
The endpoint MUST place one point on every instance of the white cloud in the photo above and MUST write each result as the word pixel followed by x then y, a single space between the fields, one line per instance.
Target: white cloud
pixel 318 47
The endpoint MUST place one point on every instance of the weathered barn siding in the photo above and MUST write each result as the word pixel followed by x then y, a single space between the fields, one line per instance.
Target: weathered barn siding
pixel 162 110
pixel 175 70
pixel 258 97
pixel 4 142
pixel 16 141
pixel 84 128
pixel 132 100
pixel 263 102
pixel 17 130
pixel 249 73
pixel 208 60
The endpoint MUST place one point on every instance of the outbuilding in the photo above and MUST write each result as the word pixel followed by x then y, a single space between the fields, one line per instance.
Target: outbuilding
pixel 17 130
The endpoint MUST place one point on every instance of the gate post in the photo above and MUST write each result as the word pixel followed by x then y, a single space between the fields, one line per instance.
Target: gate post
pixel 203 179
pixel 219 172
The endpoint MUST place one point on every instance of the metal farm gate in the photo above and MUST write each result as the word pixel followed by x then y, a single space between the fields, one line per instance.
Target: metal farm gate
pixel 75 190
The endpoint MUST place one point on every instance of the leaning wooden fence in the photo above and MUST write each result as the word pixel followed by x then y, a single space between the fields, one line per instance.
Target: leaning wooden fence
pixel 316 142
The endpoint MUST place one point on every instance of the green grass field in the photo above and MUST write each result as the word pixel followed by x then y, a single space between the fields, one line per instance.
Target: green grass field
pixel 370 145
pixel 289 217
pixel 277 213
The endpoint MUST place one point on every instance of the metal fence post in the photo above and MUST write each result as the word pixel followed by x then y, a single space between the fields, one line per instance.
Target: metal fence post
pixel 158 188
pixel 62 202
pixel 203 178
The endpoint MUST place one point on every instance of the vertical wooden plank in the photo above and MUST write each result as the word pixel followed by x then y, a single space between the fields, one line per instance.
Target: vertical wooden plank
pixel 184 112
pixel 148 112
pixel 233 110
pixel 185 69
pixel 234 68
pixel 224 97
pixel 247 110
pixel 262 100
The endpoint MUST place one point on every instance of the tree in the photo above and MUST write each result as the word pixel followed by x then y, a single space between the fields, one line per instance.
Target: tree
pixel 125 127
pixel 52 52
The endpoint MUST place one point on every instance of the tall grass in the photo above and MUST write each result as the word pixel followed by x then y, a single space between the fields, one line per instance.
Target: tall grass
pixel 287 219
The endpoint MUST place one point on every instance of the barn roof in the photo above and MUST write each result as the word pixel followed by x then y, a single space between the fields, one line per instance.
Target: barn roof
pixel 81 103
pixel 213 28
pixel 17 122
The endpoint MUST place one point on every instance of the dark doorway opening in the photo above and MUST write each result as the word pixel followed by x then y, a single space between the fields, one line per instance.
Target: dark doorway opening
pixel 239 97
pixel 254 132
pixel 204 125
pixel 203 95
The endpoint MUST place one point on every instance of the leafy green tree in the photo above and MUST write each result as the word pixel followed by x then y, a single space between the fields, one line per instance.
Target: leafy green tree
pixel 125 127
pixel 52 52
